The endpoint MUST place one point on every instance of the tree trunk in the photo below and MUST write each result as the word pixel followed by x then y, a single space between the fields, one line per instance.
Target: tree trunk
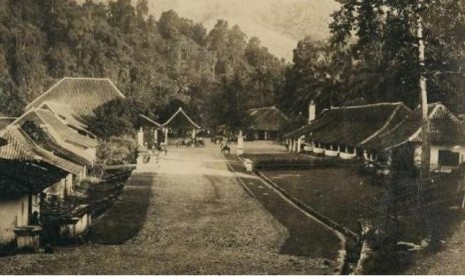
pixel 425 125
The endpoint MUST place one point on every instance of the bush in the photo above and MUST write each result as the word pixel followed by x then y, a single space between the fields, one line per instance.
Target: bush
pixel 117 151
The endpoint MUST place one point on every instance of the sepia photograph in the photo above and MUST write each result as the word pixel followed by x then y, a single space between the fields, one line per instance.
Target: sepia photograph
pixel 240 137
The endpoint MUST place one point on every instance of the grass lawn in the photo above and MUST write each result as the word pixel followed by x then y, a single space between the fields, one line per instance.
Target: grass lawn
pixel 332 191
pixel 306 236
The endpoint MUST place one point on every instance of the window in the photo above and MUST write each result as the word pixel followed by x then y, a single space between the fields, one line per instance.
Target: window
pixel 448 158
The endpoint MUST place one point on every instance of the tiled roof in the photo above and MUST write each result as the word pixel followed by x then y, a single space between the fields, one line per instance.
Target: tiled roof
pixel 21 148
pixel 446 129
pixel 266 118
pixel 44 135
pixel 67 115
pixel 17 147
pixel 84 94
pixel 67 134
pixel 180 119
pixel 352 125
pixel 4 121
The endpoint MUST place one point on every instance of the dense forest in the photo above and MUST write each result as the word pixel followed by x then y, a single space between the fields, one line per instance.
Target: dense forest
pixel 158 65
pixel 372 56
pixel 166 62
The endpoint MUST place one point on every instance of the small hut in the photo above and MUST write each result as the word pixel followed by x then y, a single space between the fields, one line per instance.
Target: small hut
pixel 266 123
pixel 180 125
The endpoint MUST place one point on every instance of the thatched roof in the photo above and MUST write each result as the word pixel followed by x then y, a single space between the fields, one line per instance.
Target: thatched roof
pixel 267 118
pixel 446 129
pixel 352 125
pixel 84 94
pixel 180 120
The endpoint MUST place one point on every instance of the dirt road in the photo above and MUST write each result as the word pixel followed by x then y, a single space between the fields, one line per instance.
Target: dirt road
pixel 199 220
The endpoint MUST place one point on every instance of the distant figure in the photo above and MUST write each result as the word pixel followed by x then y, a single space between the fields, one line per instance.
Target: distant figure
pixel 165 149
pixel 225 148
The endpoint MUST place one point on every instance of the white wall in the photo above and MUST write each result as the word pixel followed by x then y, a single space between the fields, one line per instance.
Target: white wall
pixel 57 189
pixel 434 163
pixel 14 213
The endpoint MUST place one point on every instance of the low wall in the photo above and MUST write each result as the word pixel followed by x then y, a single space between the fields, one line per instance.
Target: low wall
pixel 331 153
pixel 344 155
pixel 277 163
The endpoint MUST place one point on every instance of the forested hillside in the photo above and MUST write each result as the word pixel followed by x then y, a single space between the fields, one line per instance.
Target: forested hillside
pixel 158 65
pixel 372 56
pixel 166 62
pixel 279 24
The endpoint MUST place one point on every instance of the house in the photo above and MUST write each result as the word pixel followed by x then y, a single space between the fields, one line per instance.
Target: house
pixel 83 145
pixel 84 95
pixel 341 131
pixel 447 139
pixel 47 150
pixel 266 123
pixel 180 125
pixel 17 206
pixel 28 174
pixel 36 124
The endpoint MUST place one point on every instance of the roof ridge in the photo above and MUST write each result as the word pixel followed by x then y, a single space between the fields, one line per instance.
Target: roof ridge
pixel 84 78
pixel 73 78
pixel 435 106
pixel 391 117
pixel 150 120
pixel 46 152
pixel 18 119
pixel 180 110
pixel 45 93
pixel 366 105
pixel 264 107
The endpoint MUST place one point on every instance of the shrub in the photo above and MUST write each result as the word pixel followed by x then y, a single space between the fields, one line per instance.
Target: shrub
pixel 117 151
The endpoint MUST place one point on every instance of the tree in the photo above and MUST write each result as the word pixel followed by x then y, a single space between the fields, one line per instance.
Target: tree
pixel 317 74
pixel 382 40
pixel 115 118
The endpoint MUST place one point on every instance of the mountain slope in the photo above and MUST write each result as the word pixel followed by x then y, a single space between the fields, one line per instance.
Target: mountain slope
pixel 278 24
